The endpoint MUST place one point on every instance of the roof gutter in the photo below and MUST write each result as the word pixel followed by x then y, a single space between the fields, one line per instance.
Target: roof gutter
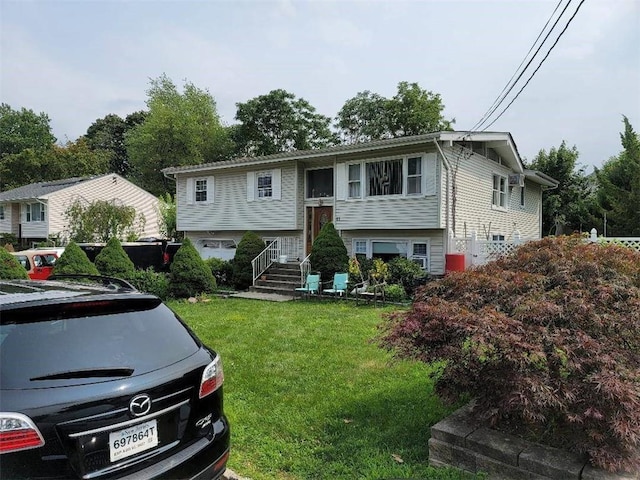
pixel 447 166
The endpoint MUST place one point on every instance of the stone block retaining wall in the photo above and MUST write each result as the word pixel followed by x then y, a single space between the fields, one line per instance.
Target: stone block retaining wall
pixel 462 442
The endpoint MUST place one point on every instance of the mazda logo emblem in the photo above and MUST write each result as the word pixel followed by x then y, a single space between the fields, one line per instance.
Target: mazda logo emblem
pixel 140 405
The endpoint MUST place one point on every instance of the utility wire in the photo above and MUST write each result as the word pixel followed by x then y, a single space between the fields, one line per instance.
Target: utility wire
pixel 501 98
pixel 538 67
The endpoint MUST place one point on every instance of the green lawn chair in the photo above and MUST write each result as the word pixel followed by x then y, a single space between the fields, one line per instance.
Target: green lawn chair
pixel 339 285
pixel 311 286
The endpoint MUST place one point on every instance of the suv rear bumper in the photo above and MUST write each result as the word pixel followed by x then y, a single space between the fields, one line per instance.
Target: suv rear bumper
pixel 206 459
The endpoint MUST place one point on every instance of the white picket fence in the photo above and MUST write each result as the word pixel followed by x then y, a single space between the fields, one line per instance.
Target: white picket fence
pixel 631 242
pixel 478 251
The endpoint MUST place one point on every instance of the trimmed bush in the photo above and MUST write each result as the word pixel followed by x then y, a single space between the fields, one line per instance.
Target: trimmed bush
pixel 10 268
pixel 547 338
pixel 249 248
pixel 150 281
pixel 221 269
pixel 113 261
pixel 190 276
pixel 394 293
pixel 328 253
pixel 74 261
pixel 407 273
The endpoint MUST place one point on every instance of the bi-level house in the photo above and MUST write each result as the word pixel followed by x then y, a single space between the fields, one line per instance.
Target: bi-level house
pixel 386 198
pixel 36 211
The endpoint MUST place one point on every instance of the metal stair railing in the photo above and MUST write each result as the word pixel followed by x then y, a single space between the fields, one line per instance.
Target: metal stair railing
pixel 282 248
pixel 305 269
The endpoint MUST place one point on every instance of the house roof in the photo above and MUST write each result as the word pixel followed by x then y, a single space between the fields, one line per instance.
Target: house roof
pixel 507 144
pixel 42 189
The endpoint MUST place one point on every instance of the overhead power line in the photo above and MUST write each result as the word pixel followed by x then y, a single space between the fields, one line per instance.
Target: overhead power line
pixel 511 83
pixel 538 67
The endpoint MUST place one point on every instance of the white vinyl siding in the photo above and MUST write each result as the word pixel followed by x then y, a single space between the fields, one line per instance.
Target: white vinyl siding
pixel 238 204
pixel 393 211
pixel 111 188
pixel 474 204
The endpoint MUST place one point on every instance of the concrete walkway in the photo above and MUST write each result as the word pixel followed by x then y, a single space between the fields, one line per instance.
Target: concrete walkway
pixel 272 297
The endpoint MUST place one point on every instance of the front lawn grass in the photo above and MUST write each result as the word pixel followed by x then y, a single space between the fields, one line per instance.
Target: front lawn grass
pixel 310 396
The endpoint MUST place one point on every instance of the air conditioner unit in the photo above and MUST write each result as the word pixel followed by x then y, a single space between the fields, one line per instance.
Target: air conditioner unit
pixel 516 180
pixel 422 261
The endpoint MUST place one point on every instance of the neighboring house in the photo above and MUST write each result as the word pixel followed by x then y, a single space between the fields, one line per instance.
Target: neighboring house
pixel 36 211
pixel 386 198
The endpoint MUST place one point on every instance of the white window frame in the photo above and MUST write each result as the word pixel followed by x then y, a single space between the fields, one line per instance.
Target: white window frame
pixel 252 185
pixel 307 193
pixel 418 175
pixel 200 190
pixel 499 192
pixel 29 213
pixel 355 183
pixel 357 245
pixel 264 191
pixel 200 185
pixel 2 217
pixel 367 251
pixel 426 173
pixel 523 197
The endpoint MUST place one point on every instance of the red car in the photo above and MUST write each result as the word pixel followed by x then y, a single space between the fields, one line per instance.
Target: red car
pixel 39 262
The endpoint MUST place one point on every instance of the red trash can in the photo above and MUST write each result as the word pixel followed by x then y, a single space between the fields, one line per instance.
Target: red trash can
pixel 454 262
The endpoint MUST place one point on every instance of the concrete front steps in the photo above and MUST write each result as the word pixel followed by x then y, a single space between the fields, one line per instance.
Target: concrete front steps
pixel 280 278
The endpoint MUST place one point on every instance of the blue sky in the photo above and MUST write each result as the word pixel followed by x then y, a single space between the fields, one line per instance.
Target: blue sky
pixel 81 60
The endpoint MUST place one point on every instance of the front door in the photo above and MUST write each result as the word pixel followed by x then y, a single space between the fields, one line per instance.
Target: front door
pixel 317 217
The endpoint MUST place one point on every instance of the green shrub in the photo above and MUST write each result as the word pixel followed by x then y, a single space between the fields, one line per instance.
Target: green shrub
pixel 328 253
pixel 395 293
pixel 10 268
pixel 222 271
pixel 407 273
pixel 249 248
pixel 190 276
pixel 74 261
pixel 113 261
pixel 547 338
pixel 150 281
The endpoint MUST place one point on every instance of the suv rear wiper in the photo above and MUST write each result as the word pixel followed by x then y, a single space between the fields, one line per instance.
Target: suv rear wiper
pixel 88 373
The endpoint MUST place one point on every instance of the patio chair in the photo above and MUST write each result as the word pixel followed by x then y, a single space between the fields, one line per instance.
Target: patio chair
pixel 339 285
pixel 371 290
pixel 311 286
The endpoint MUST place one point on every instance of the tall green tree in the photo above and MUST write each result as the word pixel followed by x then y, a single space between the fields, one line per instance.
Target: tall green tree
pixel 619 186
pixel 108 135
pixel 571 206
pixel 55 162
pixel 21 131
pixel 280 122
pixel 181 128
pixel 411 111
pixel 101 220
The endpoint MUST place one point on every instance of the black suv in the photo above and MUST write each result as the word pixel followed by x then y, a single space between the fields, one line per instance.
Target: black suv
pixel 100 381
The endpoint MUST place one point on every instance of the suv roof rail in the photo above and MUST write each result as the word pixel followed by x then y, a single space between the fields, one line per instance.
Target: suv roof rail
pixel 110 282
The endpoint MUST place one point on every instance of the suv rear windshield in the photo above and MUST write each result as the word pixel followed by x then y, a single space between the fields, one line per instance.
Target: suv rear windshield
pixel 83 349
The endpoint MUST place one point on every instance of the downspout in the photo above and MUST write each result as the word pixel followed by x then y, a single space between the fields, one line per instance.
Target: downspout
pixel 447 166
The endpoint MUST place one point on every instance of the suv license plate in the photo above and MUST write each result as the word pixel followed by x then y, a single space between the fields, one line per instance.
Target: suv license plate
pixel 130 441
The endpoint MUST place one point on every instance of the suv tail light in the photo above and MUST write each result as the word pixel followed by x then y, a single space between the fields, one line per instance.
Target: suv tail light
pixel 212 378
pixel 18 432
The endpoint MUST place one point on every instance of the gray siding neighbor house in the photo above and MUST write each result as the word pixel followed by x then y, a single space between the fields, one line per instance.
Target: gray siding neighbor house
pixel 399 196
pixel 36 211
